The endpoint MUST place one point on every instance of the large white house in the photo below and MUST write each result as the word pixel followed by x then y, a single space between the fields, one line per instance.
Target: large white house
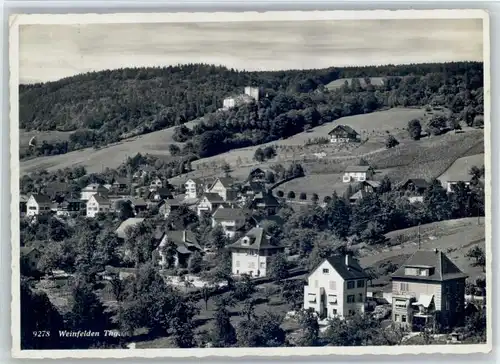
pixel 96 204
pixel 38 205
pixel 193 186
pixel 92 189
pixel 336 287
pixel 357 174
pixel 209 203
pixel 231 219
pixel 223 186
pixel 252 252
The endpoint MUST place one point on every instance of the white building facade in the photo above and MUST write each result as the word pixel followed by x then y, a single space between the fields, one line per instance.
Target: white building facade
pixel 336 288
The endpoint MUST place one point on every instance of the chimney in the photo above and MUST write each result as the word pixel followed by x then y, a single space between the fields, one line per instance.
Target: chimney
pixel 184 235
pixel 436 250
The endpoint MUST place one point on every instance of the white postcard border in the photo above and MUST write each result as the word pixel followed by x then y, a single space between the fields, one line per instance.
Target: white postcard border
pixel 22 19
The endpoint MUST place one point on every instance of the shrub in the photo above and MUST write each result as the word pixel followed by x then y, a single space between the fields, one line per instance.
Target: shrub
pixel 303 196
pixel 280 193
pixel 327 199
pixel 414 129
pixel 315 197
pixel 391 141
pixel 291 195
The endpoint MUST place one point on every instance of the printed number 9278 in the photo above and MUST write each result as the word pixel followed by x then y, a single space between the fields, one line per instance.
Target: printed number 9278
pixel 42 333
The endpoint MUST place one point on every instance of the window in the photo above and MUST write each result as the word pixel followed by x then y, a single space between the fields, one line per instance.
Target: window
pixel 334 312
pixel 250 273
pixel 311 298
pixel 361 284
pixel 400 304
pixel 237 272
pixel 396 317
pixel 404 287
pixel 332 298
pixel 423 272
pixel 360 297
pixel 262 264
pixel 333 285
pixel 411 271
pixel 350 299
pixel 350 285
pixel 403 318
pixel 238 263
pixel 326 271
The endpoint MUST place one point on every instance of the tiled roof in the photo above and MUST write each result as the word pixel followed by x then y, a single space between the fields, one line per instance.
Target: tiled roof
pixel 230 213
pixel 347 272
pixel 42 198
pixel 345 128
pixel 258 240
pixel 213 197
pixel 444 268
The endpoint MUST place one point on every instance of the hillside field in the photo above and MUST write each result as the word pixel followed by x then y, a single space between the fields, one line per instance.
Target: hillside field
pixel 375 81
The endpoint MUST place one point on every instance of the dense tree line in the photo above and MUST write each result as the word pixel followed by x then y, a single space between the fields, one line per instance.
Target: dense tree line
pixel 104 107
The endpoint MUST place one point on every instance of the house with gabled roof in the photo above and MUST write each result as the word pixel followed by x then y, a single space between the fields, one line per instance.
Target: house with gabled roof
pixel 367 187
pixel 264 201
pixel 209 202
pixel 344 134
pixel 138 204
pixel 38 204
pixel 29 258
pixel 92 189
pixel 168 205
pixel 185 244
pixel 357 174
pixel 252 253
pixel 428 290
pixel 336 287
pixel 69 206
pixel 194 187
pixel 230 219
pixel 256 175
pixel 224 187
pixel 98 204
pixel 415 189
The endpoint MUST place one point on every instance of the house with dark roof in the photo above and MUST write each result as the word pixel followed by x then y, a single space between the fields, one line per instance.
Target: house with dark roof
pixel 414 189
pixel 194 187
pixel 224 187
pixel 428 290
pixel 256 175
pixel 69 206
pixel 168 205
pixel 230 219
pixel 177 245
pixel 120 184
pixel 367 187
pixel 336 287
pixel 344 134
pixel 209 202
pixel 357 174
pixel 160 194
pixel 98 204
pixel 38 204
pixel 138 204
pixel 252 253
pixel 264 201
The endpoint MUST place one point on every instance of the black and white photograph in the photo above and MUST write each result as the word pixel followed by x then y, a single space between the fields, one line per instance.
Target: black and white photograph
pixel 229 184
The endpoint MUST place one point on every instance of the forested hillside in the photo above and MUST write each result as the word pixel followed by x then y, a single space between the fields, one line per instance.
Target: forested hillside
pixel 104 107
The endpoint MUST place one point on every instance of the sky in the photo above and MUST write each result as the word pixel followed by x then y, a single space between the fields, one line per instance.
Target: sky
pixel 52 52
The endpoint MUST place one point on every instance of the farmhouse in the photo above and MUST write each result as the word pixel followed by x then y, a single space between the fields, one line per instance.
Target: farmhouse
pixel 138 204
pixel 251 253
pixel 38 205
pixel 336 287
pixel 459 171
pixel 121 231
pixel 415 189
pixel 367 187
pixel 184 242
pixel 357 174
pixel 343 134
pixel 223 186
pixel 193 187
pixel 428 289
pixel 92 189
pixel 231 219
pixel 96 204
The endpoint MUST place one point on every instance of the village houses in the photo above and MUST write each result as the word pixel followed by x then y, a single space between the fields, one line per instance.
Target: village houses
pixel 251 253
pixel 336 287
pixel 209 202
pixel 168 205
pixel 69 206
pixel 343 134
pixel 414 189
pixel 97 204
pixel 357 174
pixel 428 290
pixel 38 205
pixel 230 219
